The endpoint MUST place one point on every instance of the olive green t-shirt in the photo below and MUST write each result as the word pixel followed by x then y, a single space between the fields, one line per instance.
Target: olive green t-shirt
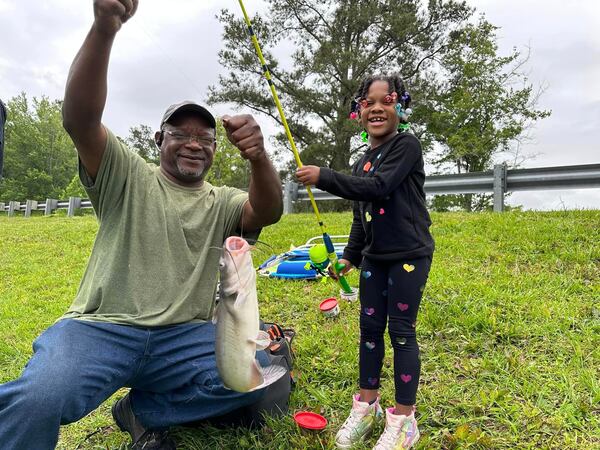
pixel 156 255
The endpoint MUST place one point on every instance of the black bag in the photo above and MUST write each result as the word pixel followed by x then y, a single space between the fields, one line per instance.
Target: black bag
pixel 276 398
pixel 281 349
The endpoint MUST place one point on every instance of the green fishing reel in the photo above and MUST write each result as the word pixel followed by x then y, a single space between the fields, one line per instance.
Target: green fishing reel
pixel 319 258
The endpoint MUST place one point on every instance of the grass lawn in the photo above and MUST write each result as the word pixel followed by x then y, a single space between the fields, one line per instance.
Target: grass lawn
pixel 509 331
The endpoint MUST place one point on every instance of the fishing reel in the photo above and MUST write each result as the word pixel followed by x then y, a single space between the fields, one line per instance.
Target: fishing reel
pixel 320 261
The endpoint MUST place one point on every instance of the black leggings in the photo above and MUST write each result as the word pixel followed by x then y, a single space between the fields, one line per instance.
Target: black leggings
pixel 391 289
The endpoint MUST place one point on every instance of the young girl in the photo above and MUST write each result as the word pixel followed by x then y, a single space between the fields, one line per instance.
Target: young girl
pixel 390 241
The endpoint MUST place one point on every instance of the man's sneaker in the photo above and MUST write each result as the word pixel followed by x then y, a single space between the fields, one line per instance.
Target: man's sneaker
pixel 142 439
pixel 400 433
pixel 359 423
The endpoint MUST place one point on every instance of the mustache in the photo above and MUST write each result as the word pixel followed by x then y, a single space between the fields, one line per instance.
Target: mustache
pixel 199 155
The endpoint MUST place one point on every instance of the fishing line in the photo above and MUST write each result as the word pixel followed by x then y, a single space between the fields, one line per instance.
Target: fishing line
pixel 174 65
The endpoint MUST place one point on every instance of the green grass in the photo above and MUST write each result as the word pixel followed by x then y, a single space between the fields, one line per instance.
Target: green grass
pixel 509 331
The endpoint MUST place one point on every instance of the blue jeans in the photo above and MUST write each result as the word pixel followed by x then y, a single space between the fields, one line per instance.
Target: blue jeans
pixel 77 365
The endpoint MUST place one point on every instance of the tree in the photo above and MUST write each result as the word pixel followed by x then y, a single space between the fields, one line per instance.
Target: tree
pixel 482 105
pixel 40 159
pixel 337 43
pixel 141 141
pixel 74 189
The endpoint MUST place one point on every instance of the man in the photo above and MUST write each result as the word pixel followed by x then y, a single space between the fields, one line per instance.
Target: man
pixel 141 317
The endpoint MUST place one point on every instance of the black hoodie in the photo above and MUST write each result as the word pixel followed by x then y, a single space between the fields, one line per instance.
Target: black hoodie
pixel 391 221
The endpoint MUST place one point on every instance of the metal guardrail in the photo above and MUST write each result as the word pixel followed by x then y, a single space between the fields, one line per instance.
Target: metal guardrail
pixel 498 181
pixel 71 205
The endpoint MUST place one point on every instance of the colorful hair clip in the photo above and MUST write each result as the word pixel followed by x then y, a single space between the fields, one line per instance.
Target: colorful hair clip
pixel 390 98
pixel 354 109
pixel 405 98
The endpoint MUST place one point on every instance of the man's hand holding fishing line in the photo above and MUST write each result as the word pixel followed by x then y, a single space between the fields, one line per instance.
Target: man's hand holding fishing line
pixel 244 132
pixel 265 197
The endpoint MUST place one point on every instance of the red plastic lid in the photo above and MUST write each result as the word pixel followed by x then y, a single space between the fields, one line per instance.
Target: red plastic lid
pixel 328 303
pixel 310 420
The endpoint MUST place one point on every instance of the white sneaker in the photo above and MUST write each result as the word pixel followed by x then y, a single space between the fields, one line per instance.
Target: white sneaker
pixel 400 433
pixel 359 423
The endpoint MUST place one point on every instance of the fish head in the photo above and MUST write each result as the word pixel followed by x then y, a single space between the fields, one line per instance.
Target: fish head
pixel 234 263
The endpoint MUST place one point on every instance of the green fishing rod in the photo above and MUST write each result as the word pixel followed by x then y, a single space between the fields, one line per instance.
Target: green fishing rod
pixel 331 254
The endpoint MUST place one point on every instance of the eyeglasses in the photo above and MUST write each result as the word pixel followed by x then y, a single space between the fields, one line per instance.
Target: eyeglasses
pixel 184 138
pixel 389 99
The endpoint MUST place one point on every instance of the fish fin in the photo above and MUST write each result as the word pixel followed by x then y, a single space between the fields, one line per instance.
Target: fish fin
pixel 239 300
pixel 270 375
pixel 214 316
pixel 262 340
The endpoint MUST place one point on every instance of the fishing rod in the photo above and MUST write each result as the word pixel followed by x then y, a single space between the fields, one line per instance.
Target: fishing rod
pixel 329 247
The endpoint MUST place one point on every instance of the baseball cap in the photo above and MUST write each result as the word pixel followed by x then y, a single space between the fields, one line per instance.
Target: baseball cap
pixel 188 106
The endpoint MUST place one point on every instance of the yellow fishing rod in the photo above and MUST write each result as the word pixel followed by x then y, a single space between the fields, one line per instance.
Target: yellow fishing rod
pixel 329 247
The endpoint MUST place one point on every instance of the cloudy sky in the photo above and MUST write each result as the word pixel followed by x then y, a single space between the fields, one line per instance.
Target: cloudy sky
pixel 168 52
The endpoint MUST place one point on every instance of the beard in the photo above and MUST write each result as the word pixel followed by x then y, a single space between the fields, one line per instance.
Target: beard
pixel 190 175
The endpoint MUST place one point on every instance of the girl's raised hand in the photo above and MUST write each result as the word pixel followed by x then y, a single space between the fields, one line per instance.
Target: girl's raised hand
pixel 308 175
